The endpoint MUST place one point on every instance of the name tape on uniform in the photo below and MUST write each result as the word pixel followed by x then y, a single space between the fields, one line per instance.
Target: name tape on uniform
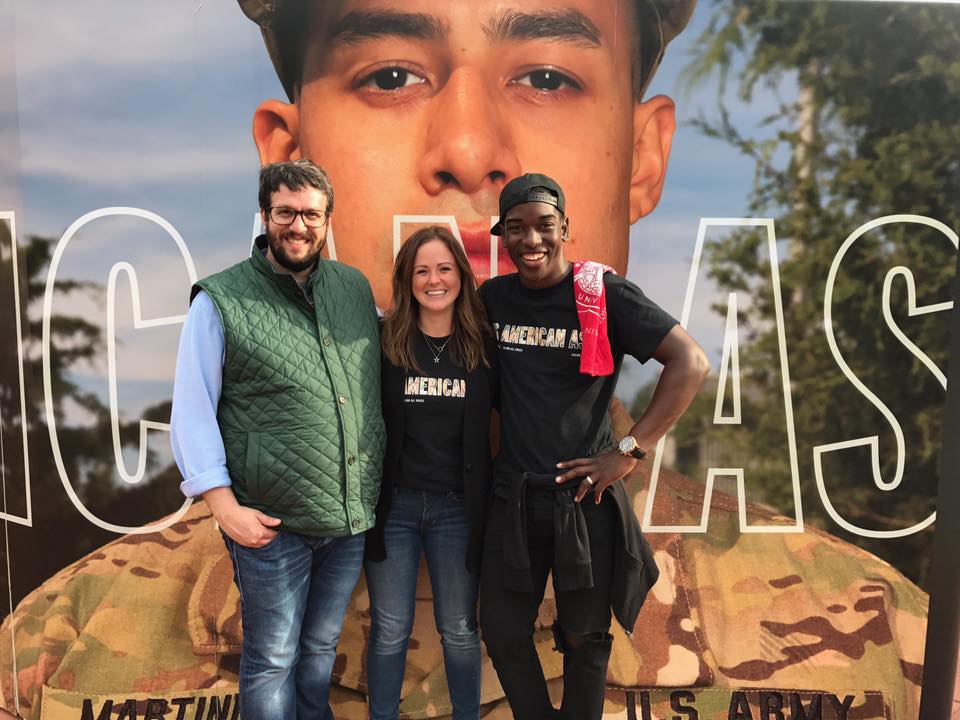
pixel 212 704
pixel 754 704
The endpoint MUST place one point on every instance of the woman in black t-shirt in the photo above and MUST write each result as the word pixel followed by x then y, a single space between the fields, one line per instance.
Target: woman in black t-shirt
pixel 437 390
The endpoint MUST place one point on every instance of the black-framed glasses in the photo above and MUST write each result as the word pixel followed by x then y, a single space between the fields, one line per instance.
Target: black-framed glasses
pixel 287 216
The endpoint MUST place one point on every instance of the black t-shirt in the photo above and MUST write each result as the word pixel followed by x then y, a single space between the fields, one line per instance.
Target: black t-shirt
pixel 549 411
pixel 433 406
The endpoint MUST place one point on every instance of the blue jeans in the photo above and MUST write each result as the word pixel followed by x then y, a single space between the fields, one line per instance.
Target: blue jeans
pixel 293 595
pixel 436 524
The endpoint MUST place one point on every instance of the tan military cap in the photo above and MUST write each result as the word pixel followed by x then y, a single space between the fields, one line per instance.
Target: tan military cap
pixel 672 17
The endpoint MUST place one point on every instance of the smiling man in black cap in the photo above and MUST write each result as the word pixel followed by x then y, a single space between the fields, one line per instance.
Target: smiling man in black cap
pixel 562 330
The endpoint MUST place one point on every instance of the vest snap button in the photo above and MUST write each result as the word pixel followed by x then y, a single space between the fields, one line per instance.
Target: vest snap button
pixel 356 524
pixel 351 460
pixel 342 399
pixel 326 341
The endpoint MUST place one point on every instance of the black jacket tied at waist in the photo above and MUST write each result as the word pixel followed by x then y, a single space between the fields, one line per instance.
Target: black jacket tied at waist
pixel 634 569
pixel 571 544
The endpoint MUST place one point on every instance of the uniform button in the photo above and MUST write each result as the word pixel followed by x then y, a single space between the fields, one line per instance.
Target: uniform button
pixel 469 467
pixel 326 341
pixel 351 460
pixel 356 524
pixel 342 399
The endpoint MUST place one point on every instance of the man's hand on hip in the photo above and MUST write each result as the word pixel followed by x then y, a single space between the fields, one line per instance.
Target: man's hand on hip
pixel 598 473
pixel 246 526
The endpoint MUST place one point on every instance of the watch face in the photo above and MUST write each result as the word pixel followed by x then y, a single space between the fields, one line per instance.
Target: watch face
pixel 627 444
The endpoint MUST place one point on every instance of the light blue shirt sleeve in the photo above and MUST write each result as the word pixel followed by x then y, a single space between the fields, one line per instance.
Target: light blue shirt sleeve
pixel 194 432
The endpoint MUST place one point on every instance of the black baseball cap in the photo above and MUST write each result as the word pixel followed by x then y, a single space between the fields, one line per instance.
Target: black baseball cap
pixel 531 187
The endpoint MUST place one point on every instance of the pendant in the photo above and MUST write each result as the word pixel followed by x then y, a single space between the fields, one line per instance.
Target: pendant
pixel 436 360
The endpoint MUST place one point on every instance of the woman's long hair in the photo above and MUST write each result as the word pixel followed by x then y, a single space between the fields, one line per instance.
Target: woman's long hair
pixel 469 319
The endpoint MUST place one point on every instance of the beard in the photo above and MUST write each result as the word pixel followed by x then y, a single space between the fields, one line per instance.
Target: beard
pixel 275 243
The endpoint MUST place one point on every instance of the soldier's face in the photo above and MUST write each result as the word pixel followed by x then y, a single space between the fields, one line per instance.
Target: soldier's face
pixel 428 107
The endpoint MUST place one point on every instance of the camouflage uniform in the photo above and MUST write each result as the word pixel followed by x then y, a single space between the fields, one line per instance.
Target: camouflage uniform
pixel 738 625
pixel 156 617
pixel 148 626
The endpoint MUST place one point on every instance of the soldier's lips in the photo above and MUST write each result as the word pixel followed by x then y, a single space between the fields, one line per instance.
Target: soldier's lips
pixel 483 251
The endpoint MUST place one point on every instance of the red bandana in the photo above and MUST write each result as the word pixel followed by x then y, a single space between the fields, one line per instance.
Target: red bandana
pixel 596 357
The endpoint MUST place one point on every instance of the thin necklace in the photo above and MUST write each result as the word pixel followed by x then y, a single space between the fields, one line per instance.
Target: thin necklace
pixel 434 350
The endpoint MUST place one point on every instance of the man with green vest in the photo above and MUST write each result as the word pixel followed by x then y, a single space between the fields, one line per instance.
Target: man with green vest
pixel 276 423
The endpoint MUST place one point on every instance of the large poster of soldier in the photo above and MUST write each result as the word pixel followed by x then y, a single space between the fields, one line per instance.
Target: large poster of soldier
pixel 780 176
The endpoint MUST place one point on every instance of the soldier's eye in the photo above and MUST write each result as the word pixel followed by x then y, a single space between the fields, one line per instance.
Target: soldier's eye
pixel 390 79
pixel 547 80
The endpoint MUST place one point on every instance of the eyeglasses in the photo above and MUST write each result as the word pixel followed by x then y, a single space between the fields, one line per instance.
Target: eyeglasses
pixel 287 216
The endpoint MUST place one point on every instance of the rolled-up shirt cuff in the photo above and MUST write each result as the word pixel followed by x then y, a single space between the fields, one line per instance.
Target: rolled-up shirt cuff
pixel 199 484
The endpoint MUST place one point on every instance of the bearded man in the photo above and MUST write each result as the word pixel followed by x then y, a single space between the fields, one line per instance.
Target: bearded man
pixel 276 423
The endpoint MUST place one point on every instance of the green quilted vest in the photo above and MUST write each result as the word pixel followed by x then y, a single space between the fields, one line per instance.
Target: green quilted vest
pixel 299 410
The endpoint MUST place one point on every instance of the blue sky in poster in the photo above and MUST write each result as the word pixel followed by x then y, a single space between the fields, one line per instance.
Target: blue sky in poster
pixel 149 105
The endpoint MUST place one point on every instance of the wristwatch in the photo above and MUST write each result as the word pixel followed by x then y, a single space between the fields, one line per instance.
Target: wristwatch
pixel 628 446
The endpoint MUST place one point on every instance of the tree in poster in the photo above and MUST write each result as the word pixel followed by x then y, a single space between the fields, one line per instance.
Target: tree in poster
pixel 60 534
pixel 871 130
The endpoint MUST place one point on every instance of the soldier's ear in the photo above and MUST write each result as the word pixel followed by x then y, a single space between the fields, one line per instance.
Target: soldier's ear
pixel 276 131
pixel 654 121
